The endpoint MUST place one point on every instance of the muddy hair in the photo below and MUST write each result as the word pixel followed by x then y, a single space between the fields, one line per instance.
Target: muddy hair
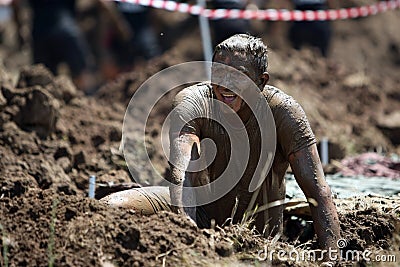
pixel 247 46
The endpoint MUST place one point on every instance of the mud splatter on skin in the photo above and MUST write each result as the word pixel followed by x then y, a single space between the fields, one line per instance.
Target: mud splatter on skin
pixel 309 175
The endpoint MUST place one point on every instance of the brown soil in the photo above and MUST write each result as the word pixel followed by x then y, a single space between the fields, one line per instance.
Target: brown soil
pixel 52 138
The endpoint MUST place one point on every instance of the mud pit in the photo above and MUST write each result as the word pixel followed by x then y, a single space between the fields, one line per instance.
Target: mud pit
pixel 41 226
pixel 52 138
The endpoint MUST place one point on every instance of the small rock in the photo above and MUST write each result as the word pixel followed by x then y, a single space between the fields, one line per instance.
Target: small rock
pixel 34 75
pixel 64 89
pixel 97 140
pixel 224 249
pixel 70 213
pixel 67 189
pixel 115 135
pixel 129 239
pixel 65 164
pixel 79 158
pixel 39 113
pixel 63 151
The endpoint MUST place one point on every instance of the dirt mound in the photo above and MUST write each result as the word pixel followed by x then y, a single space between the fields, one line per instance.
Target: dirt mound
pixel 40 227
pixel 76 231
pixel 54 136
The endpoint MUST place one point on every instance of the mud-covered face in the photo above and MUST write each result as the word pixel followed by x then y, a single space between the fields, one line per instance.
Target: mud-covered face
pixel 227 84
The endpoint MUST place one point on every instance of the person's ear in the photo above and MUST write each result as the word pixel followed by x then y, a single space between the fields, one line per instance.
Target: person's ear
pixel 264 79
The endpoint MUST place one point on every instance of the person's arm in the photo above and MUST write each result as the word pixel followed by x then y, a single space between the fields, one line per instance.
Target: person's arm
pixel 181 153
pixel 308 172
pixel 117 20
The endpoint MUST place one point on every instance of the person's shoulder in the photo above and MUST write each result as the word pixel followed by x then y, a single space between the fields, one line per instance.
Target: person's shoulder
pixel 276 97
pixel 282 104
pixel 195 91
pixel 198 89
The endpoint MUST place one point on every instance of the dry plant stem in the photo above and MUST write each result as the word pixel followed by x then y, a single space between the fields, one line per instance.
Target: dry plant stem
pixel 165 254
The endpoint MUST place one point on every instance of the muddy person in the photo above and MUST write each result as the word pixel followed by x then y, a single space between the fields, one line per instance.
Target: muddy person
pixel 295 146
pixel 57 38
pixel 316 33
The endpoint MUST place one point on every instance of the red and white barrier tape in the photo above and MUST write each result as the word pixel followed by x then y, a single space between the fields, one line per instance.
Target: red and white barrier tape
pixel 271 14
pixel 5 2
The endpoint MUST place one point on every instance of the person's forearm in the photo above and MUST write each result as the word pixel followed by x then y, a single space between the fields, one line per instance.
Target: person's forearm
pixel 310 177
pixel 326 222
pixel 176 188
pixel 181 153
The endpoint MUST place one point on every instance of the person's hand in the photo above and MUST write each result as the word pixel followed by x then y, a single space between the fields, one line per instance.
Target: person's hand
pixel 177 209
pixel 181 210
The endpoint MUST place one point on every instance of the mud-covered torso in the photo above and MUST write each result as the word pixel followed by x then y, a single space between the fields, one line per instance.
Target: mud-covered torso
pixel 196 111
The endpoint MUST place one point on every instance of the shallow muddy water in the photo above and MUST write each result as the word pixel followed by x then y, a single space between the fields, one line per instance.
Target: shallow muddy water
pixel 344 186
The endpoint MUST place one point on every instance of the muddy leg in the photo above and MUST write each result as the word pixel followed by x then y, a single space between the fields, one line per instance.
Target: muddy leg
pixel 144 200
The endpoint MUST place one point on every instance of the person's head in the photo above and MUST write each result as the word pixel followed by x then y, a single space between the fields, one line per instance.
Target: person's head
pixel 245 53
